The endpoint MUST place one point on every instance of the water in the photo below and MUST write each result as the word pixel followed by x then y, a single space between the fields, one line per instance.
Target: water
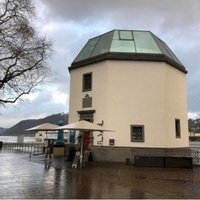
pixel 8 139
pixel 26 139
pixel 14 139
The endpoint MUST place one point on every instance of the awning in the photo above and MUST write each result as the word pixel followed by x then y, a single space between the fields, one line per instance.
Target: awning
pixel 43 127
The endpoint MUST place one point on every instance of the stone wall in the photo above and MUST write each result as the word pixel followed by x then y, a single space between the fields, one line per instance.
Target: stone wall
pixel 121 154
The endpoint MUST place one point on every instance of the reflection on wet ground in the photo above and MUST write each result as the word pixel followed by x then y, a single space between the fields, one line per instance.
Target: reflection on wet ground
pixel 24 178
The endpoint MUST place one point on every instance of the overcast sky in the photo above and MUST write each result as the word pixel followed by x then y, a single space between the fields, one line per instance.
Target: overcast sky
pixel 70 23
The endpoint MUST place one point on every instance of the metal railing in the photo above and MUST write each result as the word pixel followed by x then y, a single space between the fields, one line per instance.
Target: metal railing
pixel 33 148
pixel 195 153
pixel 39 148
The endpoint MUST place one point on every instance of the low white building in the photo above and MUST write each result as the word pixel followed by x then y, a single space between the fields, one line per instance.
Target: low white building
pixel 40 136
pixel 130 81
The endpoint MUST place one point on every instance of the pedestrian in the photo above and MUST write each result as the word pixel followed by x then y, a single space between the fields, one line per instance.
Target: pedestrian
pixel 49 150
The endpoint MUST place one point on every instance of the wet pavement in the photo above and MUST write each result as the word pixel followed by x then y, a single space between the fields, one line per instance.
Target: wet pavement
pixel 21 177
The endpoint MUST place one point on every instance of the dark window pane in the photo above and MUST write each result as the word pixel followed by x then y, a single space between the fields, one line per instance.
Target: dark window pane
pixel 177 128
pixel 111 142
pixel 87 82
pixel 137 133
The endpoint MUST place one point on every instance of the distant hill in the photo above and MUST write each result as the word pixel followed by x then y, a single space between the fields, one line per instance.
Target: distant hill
pixel 2 130
pixel 19 128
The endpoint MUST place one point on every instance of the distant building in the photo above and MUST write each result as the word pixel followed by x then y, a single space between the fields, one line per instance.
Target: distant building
pixel 129 81
pixel 40 136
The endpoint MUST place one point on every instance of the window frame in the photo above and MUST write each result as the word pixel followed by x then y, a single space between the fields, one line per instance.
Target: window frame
pixel 178 128
pixel 121 37
pixel 83 82
pixel 111 142
pixel 143 132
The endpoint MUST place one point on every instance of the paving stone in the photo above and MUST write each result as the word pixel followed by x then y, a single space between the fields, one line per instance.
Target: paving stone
pixel 24 178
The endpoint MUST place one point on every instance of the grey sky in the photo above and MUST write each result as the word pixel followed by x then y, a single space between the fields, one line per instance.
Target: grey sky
pixel 70 23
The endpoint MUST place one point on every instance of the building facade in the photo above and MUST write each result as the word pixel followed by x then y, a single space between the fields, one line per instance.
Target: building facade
pixel 130 82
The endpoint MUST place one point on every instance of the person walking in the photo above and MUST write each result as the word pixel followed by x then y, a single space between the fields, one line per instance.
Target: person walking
pixel 49 150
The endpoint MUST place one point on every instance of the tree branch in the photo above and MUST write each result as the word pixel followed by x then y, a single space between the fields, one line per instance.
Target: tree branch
pixel 23 53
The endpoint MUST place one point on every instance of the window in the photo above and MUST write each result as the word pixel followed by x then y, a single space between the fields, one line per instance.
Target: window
pixel 87 82
pixel 145 43
pixel 178 128
pixel 111 142
pixel 126 35
pixel 137 133
pixel 123 46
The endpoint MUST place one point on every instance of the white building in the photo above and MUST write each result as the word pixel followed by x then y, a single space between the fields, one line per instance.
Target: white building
pixel 40 136
pixel 130 81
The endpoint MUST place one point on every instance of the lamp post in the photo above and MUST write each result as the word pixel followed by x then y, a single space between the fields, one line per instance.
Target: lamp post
pixel 59 145
pixel 60 136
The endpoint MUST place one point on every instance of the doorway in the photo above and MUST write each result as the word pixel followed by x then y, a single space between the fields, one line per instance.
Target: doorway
pixel 86 140
pixel 87 115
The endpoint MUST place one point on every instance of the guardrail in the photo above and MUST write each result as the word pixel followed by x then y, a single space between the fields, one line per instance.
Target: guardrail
pixel 195 153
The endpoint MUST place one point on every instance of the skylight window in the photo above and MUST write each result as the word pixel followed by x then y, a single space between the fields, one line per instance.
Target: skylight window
pixel 87 50
pixel 123 46
pixel 130 44
pixel 126 35
pixel 116 35
pixel 145 43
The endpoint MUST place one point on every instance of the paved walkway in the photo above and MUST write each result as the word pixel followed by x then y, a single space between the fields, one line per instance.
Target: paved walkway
pixel 24 178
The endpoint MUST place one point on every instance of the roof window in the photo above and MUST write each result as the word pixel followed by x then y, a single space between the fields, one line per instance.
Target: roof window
pixel 125 35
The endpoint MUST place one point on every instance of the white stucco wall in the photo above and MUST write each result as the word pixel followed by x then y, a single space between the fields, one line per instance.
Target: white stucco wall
pixel 152 94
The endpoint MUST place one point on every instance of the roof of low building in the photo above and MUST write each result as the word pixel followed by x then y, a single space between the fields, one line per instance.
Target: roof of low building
pixel 126 45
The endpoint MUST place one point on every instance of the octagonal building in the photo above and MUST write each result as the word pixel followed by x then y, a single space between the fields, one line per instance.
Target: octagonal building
pixel 131 82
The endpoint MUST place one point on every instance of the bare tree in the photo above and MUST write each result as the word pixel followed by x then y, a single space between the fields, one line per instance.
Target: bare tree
pixel 23 53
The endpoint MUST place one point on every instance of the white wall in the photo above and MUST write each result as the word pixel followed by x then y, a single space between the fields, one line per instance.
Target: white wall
pixel 152 94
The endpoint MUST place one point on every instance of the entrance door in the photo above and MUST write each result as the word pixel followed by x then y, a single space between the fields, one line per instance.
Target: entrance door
pixel 87 135
pixel 86 140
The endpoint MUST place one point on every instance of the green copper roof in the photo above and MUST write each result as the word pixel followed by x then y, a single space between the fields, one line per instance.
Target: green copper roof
pixel 126 45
